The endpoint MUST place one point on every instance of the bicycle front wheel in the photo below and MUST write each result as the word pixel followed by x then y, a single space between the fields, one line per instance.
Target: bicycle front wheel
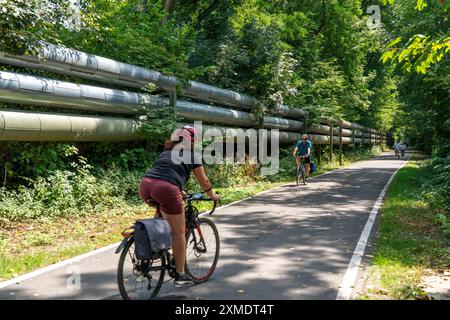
pixel 202 252
pixel 139 279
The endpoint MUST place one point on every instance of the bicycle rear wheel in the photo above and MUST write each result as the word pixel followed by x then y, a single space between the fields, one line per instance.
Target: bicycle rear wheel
pixel 202 253
pixel 139 279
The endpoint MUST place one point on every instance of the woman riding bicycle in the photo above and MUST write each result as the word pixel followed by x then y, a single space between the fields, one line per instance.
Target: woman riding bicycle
pixel 164 183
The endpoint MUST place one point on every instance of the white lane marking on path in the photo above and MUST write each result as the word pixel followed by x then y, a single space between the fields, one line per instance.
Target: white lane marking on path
pixel 55 266
pixel 349 279
pixel 76 259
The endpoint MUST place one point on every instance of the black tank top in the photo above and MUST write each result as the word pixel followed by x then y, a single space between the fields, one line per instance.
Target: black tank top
pixel 176 173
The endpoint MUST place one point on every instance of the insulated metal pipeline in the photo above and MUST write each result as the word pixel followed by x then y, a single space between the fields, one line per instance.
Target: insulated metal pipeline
pixel 323 129
pixel 88 66
pixel 23 89
pixel 321 139
pixel 32 90
pixel 71 62
pixel 66 61
pixel 288 112
pixel 28 126
pixel 346 124
pixel 232 133
pixel 285 137
pixel 214 114
pixel 205 92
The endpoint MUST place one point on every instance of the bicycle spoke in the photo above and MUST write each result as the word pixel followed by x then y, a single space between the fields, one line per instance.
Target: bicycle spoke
pixel 202 254
pixel 138 280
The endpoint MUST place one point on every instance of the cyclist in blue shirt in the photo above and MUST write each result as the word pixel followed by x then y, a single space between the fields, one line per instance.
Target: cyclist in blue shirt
pixel 303 150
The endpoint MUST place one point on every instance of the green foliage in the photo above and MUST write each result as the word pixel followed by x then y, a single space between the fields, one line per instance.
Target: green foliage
pixel 131 31
pixel 158 126
pixel 54 180
pixel 427 41
pixel 419 52
pixel 24 23
pixel 437 189
pixel 424 82
pixel 70 192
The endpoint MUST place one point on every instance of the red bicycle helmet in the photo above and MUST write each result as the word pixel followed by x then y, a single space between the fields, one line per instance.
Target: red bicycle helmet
pixel 186 133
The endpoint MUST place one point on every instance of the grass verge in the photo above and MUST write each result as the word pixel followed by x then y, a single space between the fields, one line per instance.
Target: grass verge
pixel 410 243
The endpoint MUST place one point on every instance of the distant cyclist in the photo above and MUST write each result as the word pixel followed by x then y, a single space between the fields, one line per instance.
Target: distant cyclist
pixel 303 150
pixel 397 149
pixel 402 148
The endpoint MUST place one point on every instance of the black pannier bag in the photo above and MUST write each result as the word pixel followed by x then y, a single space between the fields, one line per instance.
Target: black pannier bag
pixel 151 237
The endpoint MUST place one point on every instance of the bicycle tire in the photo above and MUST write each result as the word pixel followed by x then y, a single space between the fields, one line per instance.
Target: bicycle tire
pixel 121 279
pixel 200 277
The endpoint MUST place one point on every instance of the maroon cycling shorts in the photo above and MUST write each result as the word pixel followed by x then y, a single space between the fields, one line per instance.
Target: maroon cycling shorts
pixel 165 193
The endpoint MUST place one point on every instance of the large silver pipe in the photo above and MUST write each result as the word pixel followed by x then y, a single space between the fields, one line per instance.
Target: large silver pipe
pixel 204 92
pixel 214 114
pixel 31 126
pixel 232 133
pixel 345 124
pixel 288 112
pixel 324 129
pixel 71 62
pixel 285 137
pixel 282 124
pixel 65 68
pixel 23 89
pixel 32 90
pixel 76 63
pixel 88 66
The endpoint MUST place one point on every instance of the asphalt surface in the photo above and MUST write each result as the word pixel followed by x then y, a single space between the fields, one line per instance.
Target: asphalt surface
pixel 288 243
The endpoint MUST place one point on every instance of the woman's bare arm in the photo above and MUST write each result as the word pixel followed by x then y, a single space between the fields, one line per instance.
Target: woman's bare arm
pixel 204 182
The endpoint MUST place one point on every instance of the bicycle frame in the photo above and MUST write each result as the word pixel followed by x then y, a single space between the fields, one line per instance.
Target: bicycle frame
pixel 191 215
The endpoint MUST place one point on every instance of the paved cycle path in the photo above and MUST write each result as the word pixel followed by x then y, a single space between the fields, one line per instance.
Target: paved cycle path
pixel 288 243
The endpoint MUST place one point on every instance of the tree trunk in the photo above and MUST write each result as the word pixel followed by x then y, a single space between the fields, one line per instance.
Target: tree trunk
pixel 208 11
pixel 168 9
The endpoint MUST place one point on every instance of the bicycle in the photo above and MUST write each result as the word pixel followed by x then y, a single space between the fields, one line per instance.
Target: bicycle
pixel 301 172
pixel 146 277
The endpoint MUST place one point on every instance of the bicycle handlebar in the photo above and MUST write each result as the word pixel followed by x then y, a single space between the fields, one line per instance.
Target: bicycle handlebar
pixel 199 197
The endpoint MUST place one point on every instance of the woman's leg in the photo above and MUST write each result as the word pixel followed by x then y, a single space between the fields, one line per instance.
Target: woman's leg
pixel 297 161
pixel 178 226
